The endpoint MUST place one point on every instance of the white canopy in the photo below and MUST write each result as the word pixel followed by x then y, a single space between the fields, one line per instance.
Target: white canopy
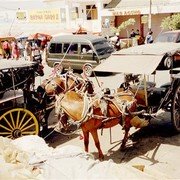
pixel 142 59
pixel 8 64
pixel 137 64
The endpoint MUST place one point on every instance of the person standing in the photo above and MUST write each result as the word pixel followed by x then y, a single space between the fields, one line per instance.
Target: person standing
pixel 15 51
pixel 132 34
pixel 28 52
pixel 7 49
pixel 149 38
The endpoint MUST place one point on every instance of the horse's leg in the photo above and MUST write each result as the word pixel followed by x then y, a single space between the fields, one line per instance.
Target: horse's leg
pixel 123 145
pixel 126 128
pixel 97 143
pixel 86 140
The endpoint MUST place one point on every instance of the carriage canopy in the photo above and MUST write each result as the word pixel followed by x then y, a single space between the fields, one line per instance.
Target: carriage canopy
pixel 142 59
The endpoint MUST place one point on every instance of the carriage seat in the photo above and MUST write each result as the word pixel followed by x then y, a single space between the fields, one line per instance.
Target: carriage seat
pixel 139 91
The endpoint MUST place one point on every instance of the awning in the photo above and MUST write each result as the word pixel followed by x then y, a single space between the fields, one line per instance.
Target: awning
pixel 134 7
pixel 39 36
pixel 112 4
pixel 136 64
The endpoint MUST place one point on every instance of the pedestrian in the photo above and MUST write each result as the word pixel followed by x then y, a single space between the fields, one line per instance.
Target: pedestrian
pixel 137 32
pixel 149 38
pixel 118 42
pixel 139 38
pixel 132 34
pixel 21 48
pixel 7 49
pixel 15 51
pixel 28 52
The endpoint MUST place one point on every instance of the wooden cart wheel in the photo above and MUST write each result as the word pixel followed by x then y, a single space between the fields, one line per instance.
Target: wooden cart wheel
pixel 176 109
pixel 18 122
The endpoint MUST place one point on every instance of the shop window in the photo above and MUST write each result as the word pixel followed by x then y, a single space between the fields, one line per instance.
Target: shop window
pixel 91 12
pixel 74 13
pixel 70 48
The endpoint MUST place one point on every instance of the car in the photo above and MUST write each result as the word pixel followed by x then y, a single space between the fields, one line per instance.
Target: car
pixel 169 36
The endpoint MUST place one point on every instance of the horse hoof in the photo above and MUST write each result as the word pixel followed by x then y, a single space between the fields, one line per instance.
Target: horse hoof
pixel 122 148
pixel 101 158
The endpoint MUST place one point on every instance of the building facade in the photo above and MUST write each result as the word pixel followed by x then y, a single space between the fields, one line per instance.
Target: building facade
pixel 64 16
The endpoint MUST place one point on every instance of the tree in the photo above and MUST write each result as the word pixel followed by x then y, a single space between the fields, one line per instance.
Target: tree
pixel 171 22
pixel 124 25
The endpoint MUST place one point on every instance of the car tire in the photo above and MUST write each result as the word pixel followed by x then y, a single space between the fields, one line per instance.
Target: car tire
pixel 168 62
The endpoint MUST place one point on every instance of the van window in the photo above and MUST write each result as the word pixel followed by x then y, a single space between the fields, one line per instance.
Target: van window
pixel 102 47
pixel 73 49
pixel 55 48
pixel 86 49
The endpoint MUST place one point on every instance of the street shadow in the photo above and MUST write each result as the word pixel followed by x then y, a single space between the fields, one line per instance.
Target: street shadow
pixel 55 139
pixel 141 142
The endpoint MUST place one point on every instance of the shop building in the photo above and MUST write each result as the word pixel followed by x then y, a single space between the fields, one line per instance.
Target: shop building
pixel 58 16
pixel 148 14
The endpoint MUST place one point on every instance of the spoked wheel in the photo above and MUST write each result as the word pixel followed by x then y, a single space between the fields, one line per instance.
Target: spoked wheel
pixel 88 69
pixel 176 110
pixel 18 122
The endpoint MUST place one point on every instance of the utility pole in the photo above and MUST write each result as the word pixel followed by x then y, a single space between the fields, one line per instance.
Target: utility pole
pixel 149 18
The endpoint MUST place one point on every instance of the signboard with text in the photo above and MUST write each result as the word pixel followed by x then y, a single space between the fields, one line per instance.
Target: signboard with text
pixel 44 16
pixel 123 13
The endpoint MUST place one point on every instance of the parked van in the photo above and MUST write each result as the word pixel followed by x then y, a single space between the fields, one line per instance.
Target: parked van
pixel 76 50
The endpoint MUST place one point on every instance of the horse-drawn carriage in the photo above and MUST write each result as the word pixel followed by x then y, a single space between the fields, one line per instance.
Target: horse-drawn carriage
pixel 24 106
pixel 139 65
pixel 135 102
pixel 17 78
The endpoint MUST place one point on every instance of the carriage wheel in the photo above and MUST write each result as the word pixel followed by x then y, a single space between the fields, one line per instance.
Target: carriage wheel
pixel 176 109
pixel 18 122
pixel 88 69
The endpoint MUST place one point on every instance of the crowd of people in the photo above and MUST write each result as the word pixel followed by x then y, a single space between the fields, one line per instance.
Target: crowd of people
pixel 27 49
pixel 136 39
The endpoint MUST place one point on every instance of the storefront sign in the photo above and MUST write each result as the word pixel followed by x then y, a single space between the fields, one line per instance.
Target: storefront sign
pixel 21 15
pixel 44 16
pixel 124 13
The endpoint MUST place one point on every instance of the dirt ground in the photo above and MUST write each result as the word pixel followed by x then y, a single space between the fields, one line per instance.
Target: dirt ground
pixel 155 147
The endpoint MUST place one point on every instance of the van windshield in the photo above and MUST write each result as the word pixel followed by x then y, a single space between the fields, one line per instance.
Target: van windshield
pixel 103 47
pixel 166 37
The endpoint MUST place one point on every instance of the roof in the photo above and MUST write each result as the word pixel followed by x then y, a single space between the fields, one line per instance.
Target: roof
pixel 76 38
pixel 134 3
pixel 136 7
pixel 9 64
pixel 142 59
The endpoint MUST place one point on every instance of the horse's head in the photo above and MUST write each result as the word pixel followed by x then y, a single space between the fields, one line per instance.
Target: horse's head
pixel 55 85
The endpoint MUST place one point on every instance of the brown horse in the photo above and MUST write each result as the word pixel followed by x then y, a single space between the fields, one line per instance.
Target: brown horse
pixel 93 113
pixel 63 83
